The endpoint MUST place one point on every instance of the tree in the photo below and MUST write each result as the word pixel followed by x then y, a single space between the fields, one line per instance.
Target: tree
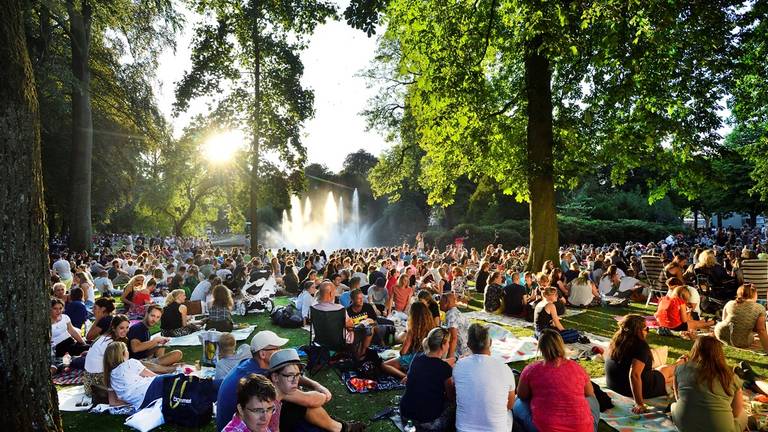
pixel 253 51
pixel 29 401
pixel 147 25
pixel 529 93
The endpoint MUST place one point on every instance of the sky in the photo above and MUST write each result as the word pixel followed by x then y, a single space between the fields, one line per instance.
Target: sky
pixel 335 56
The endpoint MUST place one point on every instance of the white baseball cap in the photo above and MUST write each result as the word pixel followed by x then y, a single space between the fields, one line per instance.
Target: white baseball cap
pixel 266 338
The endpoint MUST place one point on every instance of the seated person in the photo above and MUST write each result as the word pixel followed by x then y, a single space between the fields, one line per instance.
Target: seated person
pixel 494 293
pixel 228 358
pixel 629 364
pixel 742 319
pixel 203 288
pixel 402 295
pixel 59 291
pixel 346 297
pixel 174 321
pixel 263 345
pixel 419 324
pixel 545 316
pixel 583 292
pixel 676 267
pixel 306 299
pixel 256 406
pixel 134 284
pixel 694 300
pixel 555 394
pixel 75 309
pixel 377 294
pixel 615 283
pixel 425 297
pixel 429 391
pixel 363 317
pixel 285 369
pixel 64 337
pixel 456 324
pixel 220 311
pixel 485 387
pixel 708 393
pixel 148 350
pixel 673 314
pixel 515 297
pixel 94 360
pixel 102 318
pixel 325 302
pixel 141 298
pixel 132 382
pixel 544 281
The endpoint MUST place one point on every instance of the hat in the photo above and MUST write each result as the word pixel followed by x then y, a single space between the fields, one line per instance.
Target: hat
pixel 380 282
pixel 266 338
pixel 283 358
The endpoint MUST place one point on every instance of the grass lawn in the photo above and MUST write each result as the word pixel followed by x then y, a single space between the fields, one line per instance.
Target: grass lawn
pixel 348 406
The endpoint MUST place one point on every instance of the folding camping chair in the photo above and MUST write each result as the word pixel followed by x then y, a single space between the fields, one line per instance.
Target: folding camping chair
pixel 755 271
pixel 654 276
pixel 326 335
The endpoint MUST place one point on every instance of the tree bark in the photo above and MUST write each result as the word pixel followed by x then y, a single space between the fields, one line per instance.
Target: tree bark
pixel 28 400
pixel 82 127
pixel 254 192
pixel 541 185
pixel 695 219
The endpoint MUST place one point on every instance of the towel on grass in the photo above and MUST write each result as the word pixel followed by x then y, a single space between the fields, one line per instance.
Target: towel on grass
pixel 70 397
pixel 621 417
pixel 73 377
pixel 650 321
pixel 192 339
pixel 512 321
pixel 383 383
pixel 510 348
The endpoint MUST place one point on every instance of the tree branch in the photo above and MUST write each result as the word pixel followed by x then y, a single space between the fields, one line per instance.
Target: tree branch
pixel 503 109
pixel 488 31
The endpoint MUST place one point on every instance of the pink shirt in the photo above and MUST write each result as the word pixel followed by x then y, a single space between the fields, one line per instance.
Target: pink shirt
pixel 558 403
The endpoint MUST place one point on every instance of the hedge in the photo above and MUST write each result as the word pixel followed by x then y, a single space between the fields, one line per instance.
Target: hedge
pixel 513 233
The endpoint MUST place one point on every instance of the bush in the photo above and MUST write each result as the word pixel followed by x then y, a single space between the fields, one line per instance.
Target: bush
pixel 515 232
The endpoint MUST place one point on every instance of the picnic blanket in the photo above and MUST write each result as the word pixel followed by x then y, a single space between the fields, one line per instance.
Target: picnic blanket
pixel 650 320
pixel 512 321
pixel 510 348
pixel 621 417
pixel 573 349
pixel 193 340
pixel 71 397
pixel 383 383
pixel 72 377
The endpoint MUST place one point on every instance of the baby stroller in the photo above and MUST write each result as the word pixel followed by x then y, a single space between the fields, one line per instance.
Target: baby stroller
pixel 256 296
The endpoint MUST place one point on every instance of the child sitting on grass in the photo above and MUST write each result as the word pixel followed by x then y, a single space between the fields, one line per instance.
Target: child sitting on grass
pixel 228 358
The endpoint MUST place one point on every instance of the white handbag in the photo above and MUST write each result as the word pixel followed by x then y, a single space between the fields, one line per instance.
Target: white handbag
pixel 148 417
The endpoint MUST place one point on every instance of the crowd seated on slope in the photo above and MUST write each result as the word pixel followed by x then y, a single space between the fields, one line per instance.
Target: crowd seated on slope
pixel 442 358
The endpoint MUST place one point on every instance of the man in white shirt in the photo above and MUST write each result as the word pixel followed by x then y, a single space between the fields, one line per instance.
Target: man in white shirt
pixel 485 387
pixel 63 269
pixel 104 285
pixel 203 288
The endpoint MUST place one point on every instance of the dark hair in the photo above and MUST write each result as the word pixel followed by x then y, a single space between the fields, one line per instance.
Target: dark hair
pixel 106 303
pixel 745 292
pixel 627 337
pixel 116 321
pixel 151 282
pixel 76 294
pixel 151 307
pixel 257 386
pixel 478 338
pixel 355 292
pixel 55 301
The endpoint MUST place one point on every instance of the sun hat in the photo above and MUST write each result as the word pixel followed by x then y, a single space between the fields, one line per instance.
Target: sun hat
pixel 283 358
pixel 266 338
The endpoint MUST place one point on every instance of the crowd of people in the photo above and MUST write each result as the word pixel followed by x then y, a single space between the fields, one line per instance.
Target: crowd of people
pixel 451 380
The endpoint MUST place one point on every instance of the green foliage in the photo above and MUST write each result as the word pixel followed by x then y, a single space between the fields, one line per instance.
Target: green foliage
pixel 513 233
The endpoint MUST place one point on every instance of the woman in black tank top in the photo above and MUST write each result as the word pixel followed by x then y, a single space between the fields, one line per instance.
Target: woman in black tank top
pixel 174 321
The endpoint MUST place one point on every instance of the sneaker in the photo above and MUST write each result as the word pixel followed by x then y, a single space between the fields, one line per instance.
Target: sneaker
pixel 584 340
pixel 352 427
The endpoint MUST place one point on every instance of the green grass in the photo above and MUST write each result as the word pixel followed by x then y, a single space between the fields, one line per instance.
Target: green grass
pixel 346 406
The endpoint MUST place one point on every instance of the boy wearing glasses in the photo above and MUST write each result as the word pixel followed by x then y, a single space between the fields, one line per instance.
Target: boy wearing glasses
pixel 256 398
pixel 285 372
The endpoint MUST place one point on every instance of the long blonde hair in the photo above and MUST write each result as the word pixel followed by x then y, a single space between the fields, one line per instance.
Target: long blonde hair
pixel 173 295
pixel 114 356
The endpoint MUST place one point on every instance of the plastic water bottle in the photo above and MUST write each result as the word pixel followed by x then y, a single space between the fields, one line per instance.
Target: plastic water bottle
pixel 603 301
pixel 66 360
pixel 409 427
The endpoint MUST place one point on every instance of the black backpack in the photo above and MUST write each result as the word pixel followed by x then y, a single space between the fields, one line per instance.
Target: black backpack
pixel 287 317
pixel 188 400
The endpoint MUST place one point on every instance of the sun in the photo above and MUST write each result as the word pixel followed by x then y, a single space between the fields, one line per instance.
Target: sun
pixel 221 147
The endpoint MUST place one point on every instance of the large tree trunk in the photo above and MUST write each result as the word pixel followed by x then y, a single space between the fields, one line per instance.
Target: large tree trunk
pixel 254 195
pixel 695 219
pixel 82 126
pixel 541 184
pixel 28 399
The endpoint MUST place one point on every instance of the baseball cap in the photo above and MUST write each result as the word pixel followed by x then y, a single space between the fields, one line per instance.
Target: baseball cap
pixel 283 358
pixel 266 338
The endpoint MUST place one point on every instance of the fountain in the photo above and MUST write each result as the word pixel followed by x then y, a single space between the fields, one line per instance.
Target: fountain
pixel 304 228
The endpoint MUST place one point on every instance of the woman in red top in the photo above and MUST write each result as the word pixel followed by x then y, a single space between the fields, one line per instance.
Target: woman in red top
pixel 555 394
pixel 673 314
pixel 400 299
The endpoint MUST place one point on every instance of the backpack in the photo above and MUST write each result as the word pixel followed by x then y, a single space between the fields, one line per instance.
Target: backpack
pixel 188 400
pixel 287 317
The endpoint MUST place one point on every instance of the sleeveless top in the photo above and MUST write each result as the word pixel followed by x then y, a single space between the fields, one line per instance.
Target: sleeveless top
pixel 541 318
pixel 171 318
